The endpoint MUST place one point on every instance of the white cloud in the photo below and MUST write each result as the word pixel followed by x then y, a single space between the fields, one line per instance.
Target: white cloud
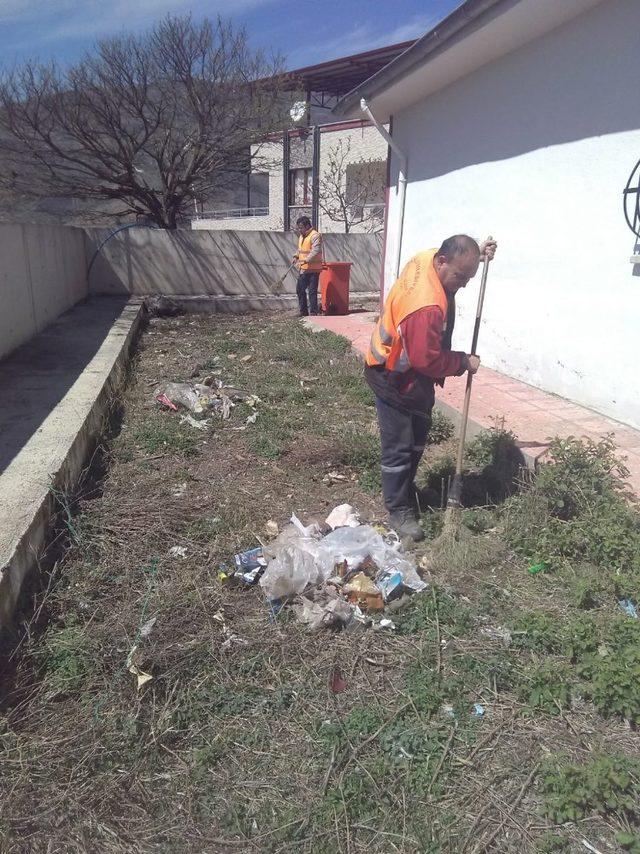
pixel 54 20
pixel 361 38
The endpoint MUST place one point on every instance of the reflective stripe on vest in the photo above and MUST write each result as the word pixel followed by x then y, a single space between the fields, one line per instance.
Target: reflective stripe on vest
pixel 417 287
pixel 304 248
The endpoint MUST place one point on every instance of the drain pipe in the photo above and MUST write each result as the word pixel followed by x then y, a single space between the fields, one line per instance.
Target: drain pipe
pixel 402 179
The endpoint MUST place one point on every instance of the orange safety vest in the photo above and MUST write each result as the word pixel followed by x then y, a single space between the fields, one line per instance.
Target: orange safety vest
pixel 304 247
pixel 417 287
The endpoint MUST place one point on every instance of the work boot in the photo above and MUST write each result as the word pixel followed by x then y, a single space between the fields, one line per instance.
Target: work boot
pixel 405 525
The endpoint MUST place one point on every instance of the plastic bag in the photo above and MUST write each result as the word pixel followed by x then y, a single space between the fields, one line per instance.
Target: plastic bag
pixel 293 569
pixel 299 560
pixel 342 516
pixel 327 611
pixel 353 545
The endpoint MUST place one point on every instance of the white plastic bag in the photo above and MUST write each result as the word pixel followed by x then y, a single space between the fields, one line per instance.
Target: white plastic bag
pixel 294 567
pixel 355 544
pixel 342 516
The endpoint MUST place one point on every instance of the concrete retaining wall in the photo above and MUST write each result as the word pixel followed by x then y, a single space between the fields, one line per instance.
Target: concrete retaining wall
pixel 42 274
pixel 245 264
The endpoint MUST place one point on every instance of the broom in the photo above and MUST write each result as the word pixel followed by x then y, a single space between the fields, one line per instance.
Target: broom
pixel 454 503
pixel 278 286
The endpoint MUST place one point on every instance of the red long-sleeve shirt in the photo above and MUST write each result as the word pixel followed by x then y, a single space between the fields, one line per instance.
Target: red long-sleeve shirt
pixel 423 336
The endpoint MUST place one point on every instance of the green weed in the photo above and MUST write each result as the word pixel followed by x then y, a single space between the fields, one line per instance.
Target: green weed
pixel 163 433
pixel 547 687
pixel 441 428
pixel 605 785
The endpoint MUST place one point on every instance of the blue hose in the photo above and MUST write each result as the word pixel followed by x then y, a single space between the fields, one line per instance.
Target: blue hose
pixel 113 233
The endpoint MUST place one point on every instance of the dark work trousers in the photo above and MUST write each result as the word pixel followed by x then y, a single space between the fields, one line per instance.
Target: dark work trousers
pixel 403 435
pixel 308 280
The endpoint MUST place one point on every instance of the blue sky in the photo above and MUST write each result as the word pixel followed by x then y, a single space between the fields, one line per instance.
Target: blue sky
pixel 305 33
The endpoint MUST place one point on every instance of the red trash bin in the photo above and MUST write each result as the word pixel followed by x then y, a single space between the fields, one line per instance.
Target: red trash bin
pixel 334 287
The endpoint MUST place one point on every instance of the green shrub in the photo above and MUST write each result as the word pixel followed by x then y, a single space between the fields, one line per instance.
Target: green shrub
pixel 606 785
pixel 614 685
pixel 536 631
pixel 547 687
pixel 575 510
pixel 490 446
pixel 441 428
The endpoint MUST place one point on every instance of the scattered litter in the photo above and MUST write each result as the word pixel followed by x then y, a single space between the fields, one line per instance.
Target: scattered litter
pixel 478 710
pixel 628 607
pixel 246 358
pixel 249 565
pixel 275 606
pixel 178 551
pixel 342 516
pixel 180 490
pixel 147 628
pixel 336 683
pixel 543 566
pixel 251 419
pixel 327 610
pixel 386 623
pixel 390 583
pixel 362 591
pixel 164 400
pixel 590 847
pixel 133 666
pixel 201 398
pixel 333 477
pixel 199 425
pixel 224 573
pixel 360 617
pixel 271 528
pixel 232 638
pixel 141 676
pixel 497 633
pixel 229 636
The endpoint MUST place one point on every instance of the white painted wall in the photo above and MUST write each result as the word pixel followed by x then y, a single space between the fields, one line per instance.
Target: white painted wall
pixel 42 274
pixel 536 148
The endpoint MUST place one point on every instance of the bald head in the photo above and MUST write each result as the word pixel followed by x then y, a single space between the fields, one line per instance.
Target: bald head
pixel 457 261
pixel 458 244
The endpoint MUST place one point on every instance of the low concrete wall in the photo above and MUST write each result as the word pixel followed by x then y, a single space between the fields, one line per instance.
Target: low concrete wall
pixel 42 274
pixel 245 264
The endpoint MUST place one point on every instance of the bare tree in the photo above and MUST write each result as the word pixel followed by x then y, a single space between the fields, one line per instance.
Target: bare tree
pixel 153 121
pixel 352 191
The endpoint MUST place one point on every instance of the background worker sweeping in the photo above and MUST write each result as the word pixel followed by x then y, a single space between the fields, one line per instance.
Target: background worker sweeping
pixel 410 351
pixel 309 258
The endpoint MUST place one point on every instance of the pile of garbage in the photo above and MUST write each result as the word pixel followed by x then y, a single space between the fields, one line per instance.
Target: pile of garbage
pixel 334 575
pixel 210 397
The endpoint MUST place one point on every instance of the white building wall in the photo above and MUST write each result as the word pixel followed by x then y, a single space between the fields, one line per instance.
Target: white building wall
pixel 365 143
pixel 536 149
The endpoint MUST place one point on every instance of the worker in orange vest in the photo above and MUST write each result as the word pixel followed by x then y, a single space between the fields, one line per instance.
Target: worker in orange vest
pixel 410 351
pixel 309 258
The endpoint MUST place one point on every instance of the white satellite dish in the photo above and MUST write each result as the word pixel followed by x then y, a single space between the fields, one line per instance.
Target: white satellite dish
pixel 298 111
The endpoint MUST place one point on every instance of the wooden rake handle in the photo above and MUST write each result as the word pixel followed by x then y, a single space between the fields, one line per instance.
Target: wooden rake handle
pixel 474 344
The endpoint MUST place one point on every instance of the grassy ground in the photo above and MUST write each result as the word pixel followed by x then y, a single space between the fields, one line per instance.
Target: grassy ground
pixel 239 742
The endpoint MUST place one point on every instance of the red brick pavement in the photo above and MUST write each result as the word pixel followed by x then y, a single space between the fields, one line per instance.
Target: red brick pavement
pixel 533 415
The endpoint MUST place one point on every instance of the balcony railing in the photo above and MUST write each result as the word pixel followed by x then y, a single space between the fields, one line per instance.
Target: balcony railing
pixel 232 213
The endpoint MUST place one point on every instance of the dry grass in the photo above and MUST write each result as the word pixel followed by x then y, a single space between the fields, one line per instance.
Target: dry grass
pixel 238 743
